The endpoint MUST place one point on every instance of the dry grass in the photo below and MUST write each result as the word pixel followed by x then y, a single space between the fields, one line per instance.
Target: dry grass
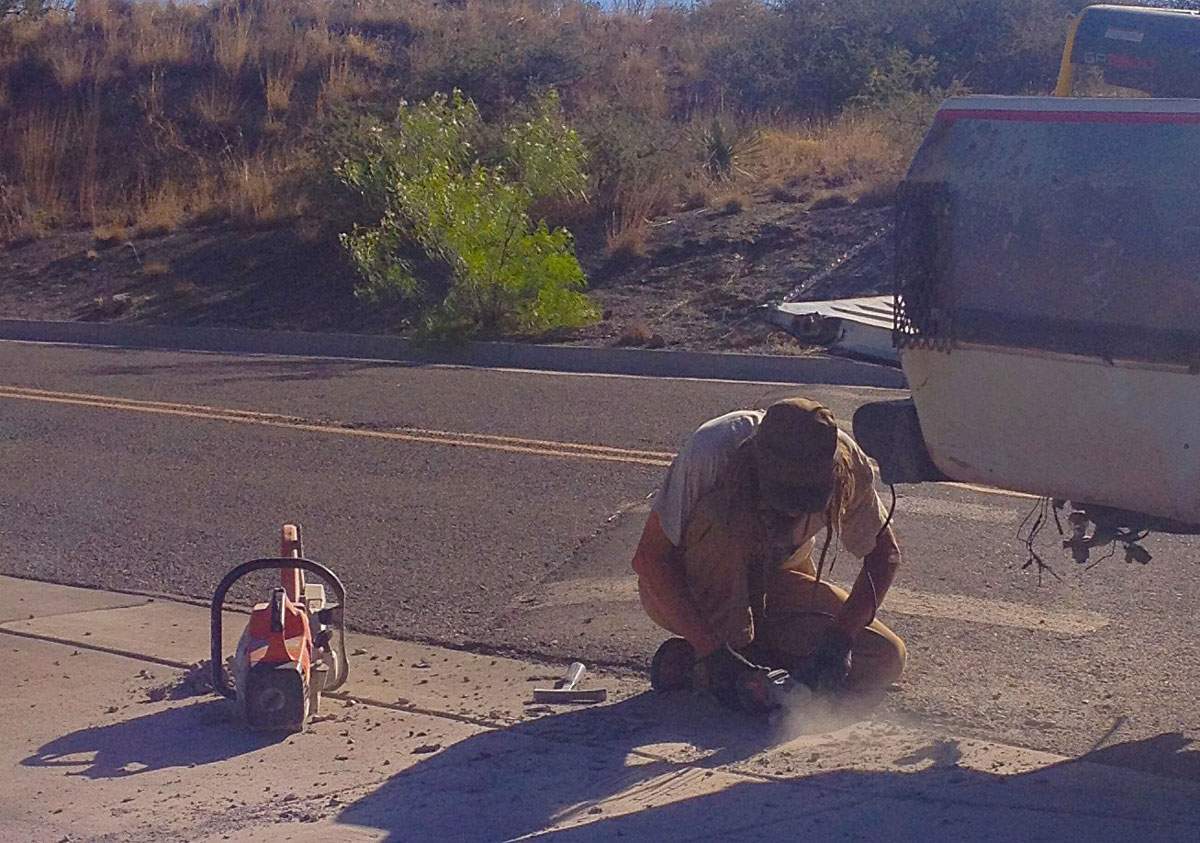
pixel 68 67
pixel 18 222
pixel 785 151
pixel 341 83
pixel 878 192
pixel 732 203
pixel 207 197
pixel 217 103
pixel 162 212
pixel 104 15
pixel 319 43
pixel 279 85
pixel 251 194
pixel 857 158
pixel 111 306
pixel 362 48
pixel 23 30
pixel 257 193
pixel 640 334
pixel 627 244
pixel 44 141
pixel 231 41
pixel 165 114
pixel 831 199
pixel 109 236
pixel 156 269
pixel 634 205
pixel 158 38
pixel 858 148
pixel 699 196
pixel 287 52
pixel 189 291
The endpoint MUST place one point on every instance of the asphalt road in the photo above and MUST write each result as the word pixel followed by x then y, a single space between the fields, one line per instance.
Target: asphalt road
pixel 499 509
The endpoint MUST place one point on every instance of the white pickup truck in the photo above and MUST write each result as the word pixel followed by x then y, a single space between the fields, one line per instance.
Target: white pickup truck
pixel 1048 292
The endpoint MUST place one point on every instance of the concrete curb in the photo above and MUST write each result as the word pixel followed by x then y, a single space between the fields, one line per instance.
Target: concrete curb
pixel 601 361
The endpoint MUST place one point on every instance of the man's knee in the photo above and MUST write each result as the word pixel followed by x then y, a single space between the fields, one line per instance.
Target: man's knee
pixel 791 592
pixel 650 605
pixel 878 659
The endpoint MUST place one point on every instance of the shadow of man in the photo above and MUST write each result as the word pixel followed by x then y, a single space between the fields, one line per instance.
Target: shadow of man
pixel 516 783
pixel 513 782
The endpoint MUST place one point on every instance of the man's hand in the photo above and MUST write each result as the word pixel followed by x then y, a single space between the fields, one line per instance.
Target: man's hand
pixel 736 682
pixel 871 585
pixel 825 668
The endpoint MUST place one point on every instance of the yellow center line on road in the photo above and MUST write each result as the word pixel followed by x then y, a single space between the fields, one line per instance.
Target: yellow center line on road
pixel 988 490
pixel 508 444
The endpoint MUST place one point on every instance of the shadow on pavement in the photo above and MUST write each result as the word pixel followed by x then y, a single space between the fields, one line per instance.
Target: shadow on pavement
pixel 1163 755
pixel 516 782
pixel 247 369
pixel 170 738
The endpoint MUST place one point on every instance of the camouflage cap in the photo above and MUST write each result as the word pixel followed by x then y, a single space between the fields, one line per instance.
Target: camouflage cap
pixel 794 448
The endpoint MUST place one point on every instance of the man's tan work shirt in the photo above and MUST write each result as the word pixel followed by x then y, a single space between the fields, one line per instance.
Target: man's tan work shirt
pixel 697 468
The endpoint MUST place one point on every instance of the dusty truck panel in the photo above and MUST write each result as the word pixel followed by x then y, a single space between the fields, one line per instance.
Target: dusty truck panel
pixel 1048 298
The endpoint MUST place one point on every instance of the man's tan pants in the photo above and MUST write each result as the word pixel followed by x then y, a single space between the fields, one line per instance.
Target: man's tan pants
pixel 798 611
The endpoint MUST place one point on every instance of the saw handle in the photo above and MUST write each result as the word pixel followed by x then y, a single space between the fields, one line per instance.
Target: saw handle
pixel 335 614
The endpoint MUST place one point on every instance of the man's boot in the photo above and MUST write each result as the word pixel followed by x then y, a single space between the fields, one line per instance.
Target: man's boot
pixel 671 667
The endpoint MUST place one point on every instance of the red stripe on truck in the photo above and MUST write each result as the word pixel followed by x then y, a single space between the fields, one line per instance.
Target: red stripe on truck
pixel 1140 117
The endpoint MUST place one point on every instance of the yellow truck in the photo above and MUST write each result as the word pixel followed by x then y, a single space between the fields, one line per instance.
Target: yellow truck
pixel 1131 51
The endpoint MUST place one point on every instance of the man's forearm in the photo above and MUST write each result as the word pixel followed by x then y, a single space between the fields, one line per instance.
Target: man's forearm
pixel 873 582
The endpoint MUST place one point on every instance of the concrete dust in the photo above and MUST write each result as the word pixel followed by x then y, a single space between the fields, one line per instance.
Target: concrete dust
pixel 805 713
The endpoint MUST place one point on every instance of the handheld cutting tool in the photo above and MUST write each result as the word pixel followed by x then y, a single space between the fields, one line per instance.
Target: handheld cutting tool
pixel 293 649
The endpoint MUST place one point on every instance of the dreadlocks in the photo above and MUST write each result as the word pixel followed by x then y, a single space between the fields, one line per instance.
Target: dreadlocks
pixel 839 502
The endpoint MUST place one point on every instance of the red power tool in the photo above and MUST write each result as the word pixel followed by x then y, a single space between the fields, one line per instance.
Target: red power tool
pixel 294 647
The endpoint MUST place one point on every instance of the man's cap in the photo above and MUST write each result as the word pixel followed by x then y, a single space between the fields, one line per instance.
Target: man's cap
pixel 794 447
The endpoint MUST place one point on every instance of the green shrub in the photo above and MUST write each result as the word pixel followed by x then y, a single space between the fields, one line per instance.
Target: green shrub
pixel 431 187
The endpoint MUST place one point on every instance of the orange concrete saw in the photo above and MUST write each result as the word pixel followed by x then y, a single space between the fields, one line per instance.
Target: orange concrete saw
pixel 294 647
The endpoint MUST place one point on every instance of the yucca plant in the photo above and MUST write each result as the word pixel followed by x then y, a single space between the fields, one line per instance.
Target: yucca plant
pixel 724 144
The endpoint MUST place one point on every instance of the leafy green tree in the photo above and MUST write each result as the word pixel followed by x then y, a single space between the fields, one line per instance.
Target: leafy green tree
pixel 431 187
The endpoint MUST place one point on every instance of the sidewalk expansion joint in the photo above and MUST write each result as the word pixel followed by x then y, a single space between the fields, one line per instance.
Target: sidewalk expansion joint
pixel 97 648
pixel 409 708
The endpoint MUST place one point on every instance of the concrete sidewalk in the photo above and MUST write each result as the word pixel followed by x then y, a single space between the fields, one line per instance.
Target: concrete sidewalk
pixel 105 739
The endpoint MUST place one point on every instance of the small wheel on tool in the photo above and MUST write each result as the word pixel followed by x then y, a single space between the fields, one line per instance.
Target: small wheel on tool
pixel 671 667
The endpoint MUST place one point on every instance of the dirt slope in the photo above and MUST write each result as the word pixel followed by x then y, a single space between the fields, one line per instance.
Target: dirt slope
pixel 700 284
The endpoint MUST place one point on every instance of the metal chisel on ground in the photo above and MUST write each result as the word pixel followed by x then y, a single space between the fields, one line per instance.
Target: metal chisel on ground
pixel 565 690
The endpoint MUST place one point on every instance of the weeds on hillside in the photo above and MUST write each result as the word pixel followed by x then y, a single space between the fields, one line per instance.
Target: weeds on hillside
pixel 114 110
pixel 430 185
pixel 149 115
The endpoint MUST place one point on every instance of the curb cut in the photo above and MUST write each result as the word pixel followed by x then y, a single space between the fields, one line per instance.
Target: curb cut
pixel 571 359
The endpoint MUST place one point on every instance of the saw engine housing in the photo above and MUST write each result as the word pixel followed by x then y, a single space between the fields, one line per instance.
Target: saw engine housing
pixel 293 648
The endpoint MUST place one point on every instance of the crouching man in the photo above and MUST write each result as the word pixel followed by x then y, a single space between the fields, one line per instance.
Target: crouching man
pixel 726 559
